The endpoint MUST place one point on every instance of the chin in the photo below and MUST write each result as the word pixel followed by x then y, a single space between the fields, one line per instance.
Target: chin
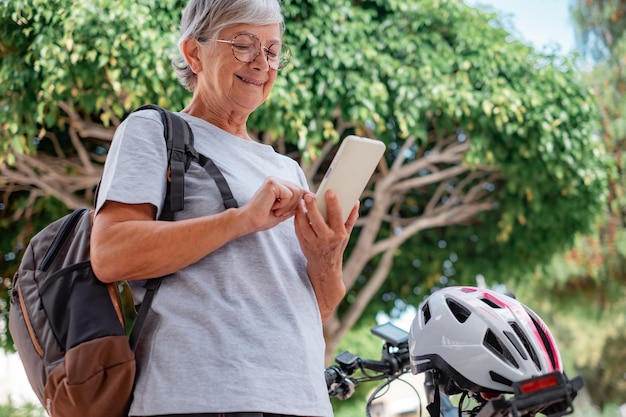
pixel 251 103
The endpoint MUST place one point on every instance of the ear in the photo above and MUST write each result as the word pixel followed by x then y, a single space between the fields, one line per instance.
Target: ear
pixel 191 51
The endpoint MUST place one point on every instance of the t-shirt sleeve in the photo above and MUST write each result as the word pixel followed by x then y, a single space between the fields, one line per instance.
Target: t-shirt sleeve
pixel 136 164
pixel 299 174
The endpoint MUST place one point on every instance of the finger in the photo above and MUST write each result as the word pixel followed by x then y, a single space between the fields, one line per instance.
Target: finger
pixel 333 209
pixel 304 230
pixel 288 197
pixel 353 217
pixel 283 199
pixel 315 218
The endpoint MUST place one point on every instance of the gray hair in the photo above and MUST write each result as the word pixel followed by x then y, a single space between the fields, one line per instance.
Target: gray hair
pixel 205 19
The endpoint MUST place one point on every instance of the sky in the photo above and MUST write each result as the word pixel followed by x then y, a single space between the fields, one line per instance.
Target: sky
pixel 538 22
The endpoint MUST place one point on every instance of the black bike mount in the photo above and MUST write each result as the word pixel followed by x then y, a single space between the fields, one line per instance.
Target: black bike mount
pixel 551 394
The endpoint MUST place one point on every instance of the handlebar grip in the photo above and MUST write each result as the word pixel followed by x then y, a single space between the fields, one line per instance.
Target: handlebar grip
pixel 332 375
pixel 384 367
pixel 338 383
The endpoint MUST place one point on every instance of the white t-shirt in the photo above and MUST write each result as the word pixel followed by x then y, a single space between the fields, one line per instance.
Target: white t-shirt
pixel 240 330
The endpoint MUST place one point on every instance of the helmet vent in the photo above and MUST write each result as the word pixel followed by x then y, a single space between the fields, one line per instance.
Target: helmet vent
pixel 527 346
pixel 493 343
pixel 546 341
pixel 426 313
pixel 460 312
pixel 515 341
pixel 496 377
pixel 490 303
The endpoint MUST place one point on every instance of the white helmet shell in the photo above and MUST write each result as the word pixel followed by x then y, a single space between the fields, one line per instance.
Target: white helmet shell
pixel 480 339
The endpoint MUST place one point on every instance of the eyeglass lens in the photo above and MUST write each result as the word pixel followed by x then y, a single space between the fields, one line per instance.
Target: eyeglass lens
pixel 247 47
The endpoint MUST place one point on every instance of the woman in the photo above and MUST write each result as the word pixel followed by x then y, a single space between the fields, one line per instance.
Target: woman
pixel 236 329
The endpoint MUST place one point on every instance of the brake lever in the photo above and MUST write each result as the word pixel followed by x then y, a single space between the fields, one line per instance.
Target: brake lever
pixel 342 390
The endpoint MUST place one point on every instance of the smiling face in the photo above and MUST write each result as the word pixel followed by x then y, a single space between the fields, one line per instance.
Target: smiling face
pixel 229 87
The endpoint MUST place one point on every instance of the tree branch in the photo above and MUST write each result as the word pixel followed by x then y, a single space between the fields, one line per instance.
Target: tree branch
pixel 87 128
pixel 46 175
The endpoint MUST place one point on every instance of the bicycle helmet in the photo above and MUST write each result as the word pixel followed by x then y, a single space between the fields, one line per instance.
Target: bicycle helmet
pixel 480 340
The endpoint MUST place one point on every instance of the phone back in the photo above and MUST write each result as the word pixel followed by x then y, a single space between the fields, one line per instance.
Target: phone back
pixel 349 172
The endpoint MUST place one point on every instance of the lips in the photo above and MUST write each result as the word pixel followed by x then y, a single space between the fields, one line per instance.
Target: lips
pixel 250 80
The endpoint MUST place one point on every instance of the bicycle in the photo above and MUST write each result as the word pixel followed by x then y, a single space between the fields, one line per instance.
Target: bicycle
pixel 550 394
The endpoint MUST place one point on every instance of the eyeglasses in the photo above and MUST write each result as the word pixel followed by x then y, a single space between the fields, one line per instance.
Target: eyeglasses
pixel 247 47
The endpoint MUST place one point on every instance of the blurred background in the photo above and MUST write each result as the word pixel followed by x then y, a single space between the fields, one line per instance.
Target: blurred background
pixel 504 125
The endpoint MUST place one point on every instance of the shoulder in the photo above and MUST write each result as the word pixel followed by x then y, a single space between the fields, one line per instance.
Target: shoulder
pixel 140 135
pixel 144 117
pixel 142 126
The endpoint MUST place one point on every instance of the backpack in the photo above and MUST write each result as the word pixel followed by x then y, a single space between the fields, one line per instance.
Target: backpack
pixel 69 327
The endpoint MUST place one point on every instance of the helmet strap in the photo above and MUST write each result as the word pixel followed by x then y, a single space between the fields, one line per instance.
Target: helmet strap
pixel 434 408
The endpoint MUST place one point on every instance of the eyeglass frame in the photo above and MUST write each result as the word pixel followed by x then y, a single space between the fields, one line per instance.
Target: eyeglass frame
pixel 265 50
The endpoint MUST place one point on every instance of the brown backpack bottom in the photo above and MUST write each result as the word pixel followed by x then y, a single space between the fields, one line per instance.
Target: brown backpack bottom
pixel 77 387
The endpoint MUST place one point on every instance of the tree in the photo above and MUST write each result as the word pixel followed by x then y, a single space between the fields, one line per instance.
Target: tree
pixel 492 160
pixel 585 287
pixel 601 28
pixel 448 78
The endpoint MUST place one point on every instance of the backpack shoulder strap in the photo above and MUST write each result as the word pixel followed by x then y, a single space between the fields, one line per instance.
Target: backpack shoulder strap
pixel 180 152
pixel 214 172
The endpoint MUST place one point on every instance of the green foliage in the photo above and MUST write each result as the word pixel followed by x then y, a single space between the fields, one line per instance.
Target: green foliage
pixel 439 67
pixel 608 373
pixel 585 410
pixel 27 410
pixel 387 69
pixel 101 57
pixel 587 284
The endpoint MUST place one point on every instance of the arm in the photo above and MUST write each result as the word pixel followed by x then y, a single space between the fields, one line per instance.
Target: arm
pixel 127 243
pixel 323 246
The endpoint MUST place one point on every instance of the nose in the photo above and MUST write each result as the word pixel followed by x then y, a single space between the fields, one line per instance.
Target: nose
pixel 264 62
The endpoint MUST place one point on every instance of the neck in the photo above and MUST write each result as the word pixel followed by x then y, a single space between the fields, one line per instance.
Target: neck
pixel 233 123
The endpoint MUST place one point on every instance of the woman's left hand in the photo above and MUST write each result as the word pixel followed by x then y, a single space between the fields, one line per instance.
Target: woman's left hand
pixel 323 245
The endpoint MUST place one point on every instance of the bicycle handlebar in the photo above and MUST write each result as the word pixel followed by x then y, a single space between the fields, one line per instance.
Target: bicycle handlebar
pixel 551 394
pixel 338 383
pixel 394 362
pixel 333 375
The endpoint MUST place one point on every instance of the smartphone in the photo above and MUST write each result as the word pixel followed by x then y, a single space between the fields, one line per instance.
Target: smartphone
pixel 349 172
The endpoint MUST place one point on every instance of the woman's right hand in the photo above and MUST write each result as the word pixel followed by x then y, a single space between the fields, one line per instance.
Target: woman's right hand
pixel 127 243
pixel 274 202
